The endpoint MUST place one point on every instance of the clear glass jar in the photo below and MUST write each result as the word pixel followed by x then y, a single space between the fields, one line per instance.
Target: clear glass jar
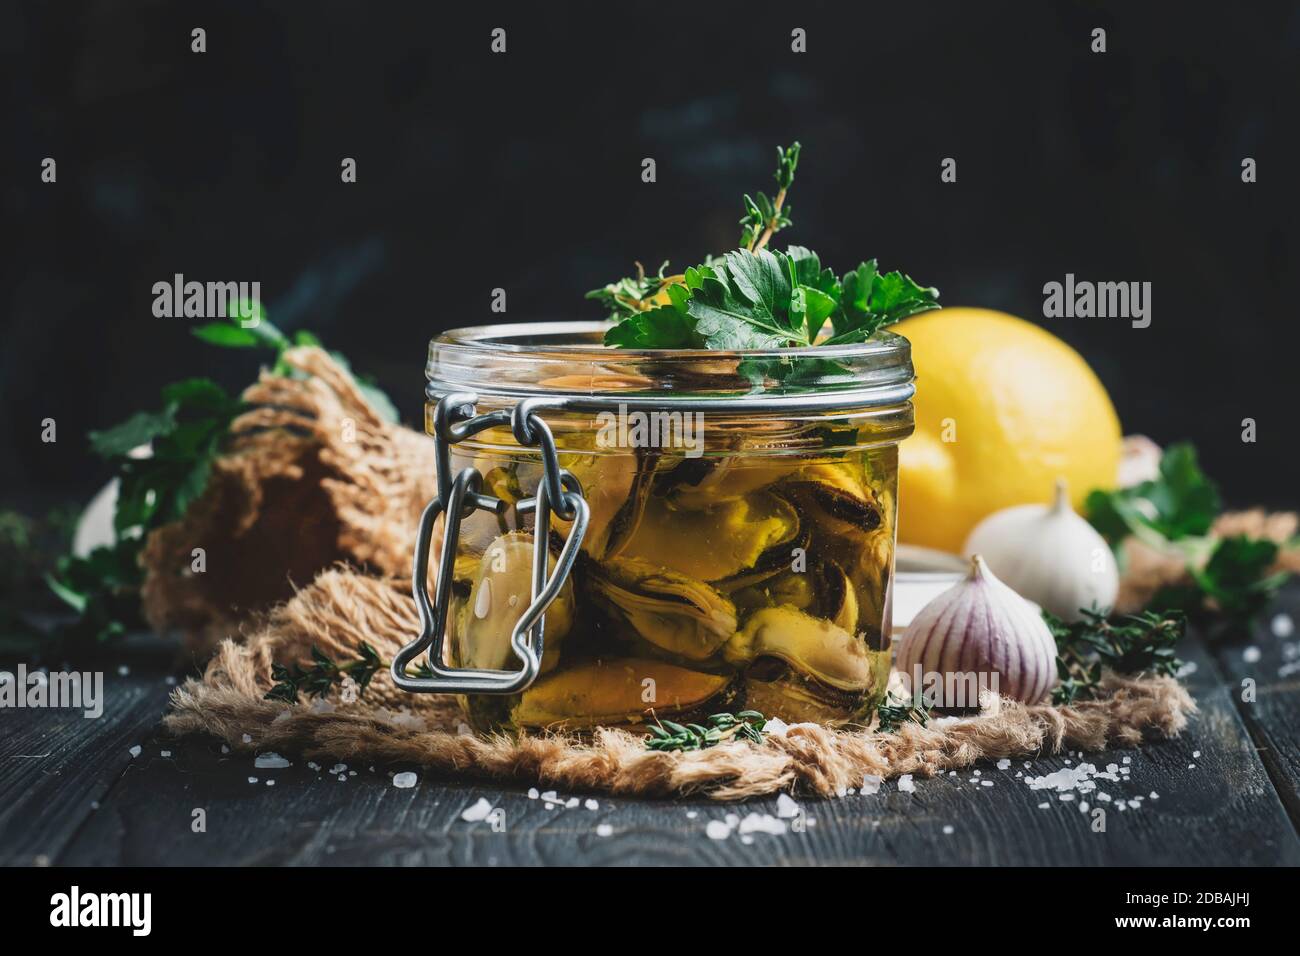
pixel 739 549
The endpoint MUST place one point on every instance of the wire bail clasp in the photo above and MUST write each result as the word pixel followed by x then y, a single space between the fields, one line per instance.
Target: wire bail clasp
pixel 559 492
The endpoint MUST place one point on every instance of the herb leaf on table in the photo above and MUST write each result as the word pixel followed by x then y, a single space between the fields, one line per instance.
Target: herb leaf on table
pixel 1173 513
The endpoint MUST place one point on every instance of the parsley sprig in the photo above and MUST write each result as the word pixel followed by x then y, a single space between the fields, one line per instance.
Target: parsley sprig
pixel 894 713
pixel 185 436
pixel 1229 577
pixel 754 298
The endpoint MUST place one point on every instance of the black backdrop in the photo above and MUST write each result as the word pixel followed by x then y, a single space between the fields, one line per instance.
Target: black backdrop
pixel 523 171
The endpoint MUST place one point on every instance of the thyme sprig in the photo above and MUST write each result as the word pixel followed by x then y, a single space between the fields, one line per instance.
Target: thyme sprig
pixel 1086 648
pixel 665 735
pixel 893 714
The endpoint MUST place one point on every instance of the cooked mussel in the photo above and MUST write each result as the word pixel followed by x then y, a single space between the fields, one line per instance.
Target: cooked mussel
pixel 501 592
pixel 717 543
pixel 813 646
pixel 619 692
pixel 671 610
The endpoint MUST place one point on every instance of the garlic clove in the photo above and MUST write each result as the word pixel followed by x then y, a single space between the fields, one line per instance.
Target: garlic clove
pixel 1049 555
pixel 979 634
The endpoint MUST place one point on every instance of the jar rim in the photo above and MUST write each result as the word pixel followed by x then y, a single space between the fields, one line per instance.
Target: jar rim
pixel 568 360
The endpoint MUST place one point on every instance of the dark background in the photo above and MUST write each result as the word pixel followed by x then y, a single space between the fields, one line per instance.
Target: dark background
pixel 523 171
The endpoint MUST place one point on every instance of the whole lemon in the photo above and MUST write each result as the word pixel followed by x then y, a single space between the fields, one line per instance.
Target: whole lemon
pixel 1003 409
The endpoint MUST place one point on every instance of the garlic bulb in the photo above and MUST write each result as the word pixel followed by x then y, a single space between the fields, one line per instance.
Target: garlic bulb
pixel 978 633
pixel 1050 555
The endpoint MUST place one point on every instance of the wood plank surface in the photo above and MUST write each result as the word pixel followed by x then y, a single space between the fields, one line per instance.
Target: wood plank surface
pixel 1216 805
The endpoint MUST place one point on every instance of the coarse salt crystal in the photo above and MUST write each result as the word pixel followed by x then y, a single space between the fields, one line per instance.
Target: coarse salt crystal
pixel 478 811
pixel 762 823
pixel 591 804
pixel 270 783
pixel 1154 795
pixel 604 830
pixel 1282 625
pixel 1043 806
pixel 1195 754
pixel 252 780
pixel 247 738
pixel 1128 759
pixel 338 768
pixel 1004 764
pixel 870 783
pixel 947 828
pixel 776 726
pixel 905 784
pixel 692 814
pixel 1251 655
pixel 135 751
pixel 1066 796
pixel 717 830
pixel 786 807
pixel 532 793
pixel 986 783
pixel 270 761
pixel 405 780
pixel 571 803
pixel 975 773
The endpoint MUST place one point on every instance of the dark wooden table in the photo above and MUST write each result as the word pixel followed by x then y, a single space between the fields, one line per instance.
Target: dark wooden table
pixel 72 793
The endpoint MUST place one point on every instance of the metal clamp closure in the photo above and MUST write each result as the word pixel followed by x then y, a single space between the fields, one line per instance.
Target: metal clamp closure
pixel 459 497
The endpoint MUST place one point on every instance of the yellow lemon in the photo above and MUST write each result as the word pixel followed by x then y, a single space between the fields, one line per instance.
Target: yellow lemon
pixel 1003 408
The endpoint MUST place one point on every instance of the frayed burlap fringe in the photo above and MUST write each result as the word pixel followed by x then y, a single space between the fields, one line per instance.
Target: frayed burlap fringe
pixel 343 608
pixel 312 475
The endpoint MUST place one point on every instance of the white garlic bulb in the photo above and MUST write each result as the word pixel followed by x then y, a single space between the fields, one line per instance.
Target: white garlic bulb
pixel 1050 555
pixel 978 633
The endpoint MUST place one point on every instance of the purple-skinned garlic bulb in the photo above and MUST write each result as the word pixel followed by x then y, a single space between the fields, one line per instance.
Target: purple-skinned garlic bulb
pixel 975 630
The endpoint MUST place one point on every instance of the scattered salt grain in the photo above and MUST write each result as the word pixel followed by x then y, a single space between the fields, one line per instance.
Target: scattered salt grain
pixel 313 765
pixel 692 814
pixel 762 823
pixel 270 783
pixel 571 803
pixel 1068 761
pixel 164 753
pixel 1154 795
pixel 247 738
pixel 786 807
pixel 1004 764
pixel 343 778
pixel 404 780
pixel 1043 806
pixel 1282 626
pixel 986 783
pixel 905 784
pixel 1083 806
pixel 1020 773
pixel 1128 759
pixel 947 829
pixel 225 749
pixel 123 670
pixel 479 811
pixel 604 830
pixel 532 793
pixel 550 796
pixel 1195 754
pixel 268 761
pixel 1191 766
pixel 976 773
pixel 136 750
pixel 1251 655
pixel 591 804
pixel 870 783
pixel 717 830
pixel 1065 796
pixel 338 768
pixel 776 726
pixel 252 780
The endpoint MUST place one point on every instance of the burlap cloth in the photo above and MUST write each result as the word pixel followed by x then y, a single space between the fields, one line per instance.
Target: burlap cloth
pixel 316 489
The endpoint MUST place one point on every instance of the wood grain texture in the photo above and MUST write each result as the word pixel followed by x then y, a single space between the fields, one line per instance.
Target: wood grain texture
pixel 1224 789
pixel 1223 811
pixel 1262 676
pixel 54 764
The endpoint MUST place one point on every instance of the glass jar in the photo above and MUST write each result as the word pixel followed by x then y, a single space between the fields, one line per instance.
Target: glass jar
pixel 736 523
